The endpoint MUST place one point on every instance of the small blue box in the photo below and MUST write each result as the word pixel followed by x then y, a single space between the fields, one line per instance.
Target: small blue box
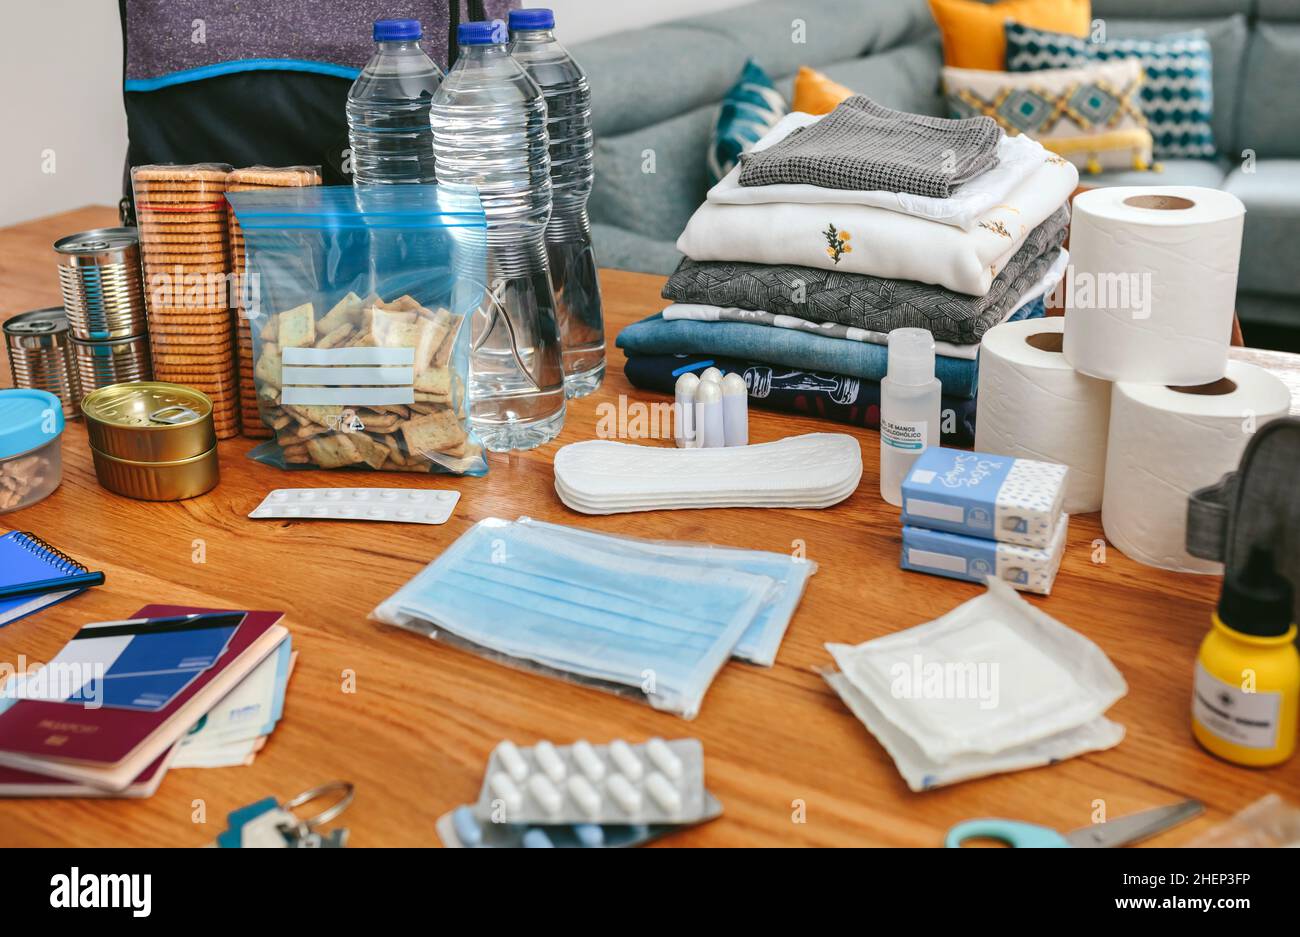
pixel 974 559
pixel 981 495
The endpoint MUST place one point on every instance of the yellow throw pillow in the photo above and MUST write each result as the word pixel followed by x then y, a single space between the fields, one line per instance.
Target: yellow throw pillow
pixel 972 31
pixel 814 93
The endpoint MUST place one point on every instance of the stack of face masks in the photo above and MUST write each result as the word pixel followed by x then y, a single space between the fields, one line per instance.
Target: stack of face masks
pixel 994 685
pixel 650 620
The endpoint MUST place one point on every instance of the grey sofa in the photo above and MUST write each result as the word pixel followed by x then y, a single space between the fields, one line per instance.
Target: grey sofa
pixel 655 94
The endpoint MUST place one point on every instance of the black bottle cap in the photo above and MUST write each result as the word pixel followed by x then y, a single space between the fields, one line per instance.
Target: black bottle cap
pixel 1257 600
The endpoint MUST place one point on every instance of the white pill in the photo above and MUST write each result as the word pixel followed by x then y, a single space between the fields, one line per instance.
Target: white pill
pixel 416 495
pixel 711 374
pixel 388 495
pixel 663 792
pixel 584 795
pixel 624 794
pixel 333 494
pixel 663 758
pixel 305 495
pixel 589 762
pixel 549 760
pixel 545 793
pixel 512 760
pixel 625 759
pixel 444 496
pixel 505 790
pixel 318 510
pixel 280 495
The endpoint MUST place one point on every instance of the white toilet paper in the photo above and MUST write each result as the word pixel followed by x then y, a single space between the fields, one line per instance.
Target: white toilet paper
pixel 1033 405
pixel 1152 286
pixel 1166 442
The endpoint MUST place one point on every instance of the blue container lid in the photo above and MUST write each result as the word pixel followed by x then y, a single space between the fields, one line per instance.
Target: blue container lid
pixel 488 33
pixel 28 419
pixel 397 30
pixel 536 18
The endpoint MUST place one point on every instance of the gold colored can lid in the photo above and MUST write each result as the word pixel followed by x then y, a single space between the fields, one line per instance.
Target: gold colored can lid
pixel 147 405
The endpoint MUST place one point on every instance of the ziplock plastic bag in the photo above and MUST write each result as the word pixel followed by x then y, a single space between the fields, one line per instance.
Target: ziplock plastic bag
pixel 359 300
pixel 591 609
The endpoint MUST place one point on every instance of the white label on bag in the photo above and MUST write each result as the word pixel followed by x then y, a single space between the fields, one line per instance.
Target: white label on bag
pixel 910 435
pixel 347 376
pixel 1246 719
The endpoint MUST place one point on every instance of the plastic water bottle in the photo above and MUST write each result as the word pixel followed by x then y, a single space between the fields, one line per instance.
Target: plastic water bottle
pixel 489 131
pixel 388 108
pixel 568 235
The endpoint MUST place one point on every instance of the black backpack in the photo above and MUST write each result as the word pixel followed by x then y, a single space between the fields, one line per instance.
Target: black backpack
pixel 252 83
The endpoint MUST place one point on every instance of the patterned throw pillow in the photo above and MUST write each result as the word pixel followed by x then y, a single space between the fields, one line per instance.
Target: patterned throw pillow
pixel 1177 96
pixel 1091 116
pixel 749 110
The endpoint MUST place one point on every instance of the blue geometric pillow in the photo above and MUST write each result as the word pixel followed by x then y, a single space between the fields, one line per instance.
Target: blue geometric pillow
pixel 749 110
pixel 1177 95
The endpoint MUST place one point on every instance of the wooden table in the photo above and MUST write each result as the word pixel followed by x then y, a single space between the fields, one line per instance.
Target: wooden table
pixel 416 734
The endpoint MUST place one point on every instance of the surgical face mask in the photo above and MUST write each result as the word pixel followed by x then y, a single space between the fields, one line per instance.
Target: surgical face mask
pixel 652 625
pixel 992 675
pixel 762 639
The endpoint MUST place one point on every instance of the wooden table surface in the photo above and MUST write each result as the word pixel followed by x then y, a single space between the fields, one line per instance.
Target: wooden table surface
pixel 790 764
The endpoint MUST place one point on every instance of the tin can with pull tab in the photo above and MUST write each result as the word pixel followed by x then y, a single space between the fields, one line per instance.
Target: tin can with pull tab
pixel 152 440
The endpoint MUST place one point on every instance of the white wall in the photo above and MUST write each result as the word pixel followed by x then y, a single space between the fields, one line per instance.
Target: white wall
pixel 61 67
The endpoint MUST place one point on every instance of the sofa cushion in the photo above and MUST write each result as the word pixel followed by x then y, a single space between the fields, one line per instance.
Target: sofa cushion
pixel 1271 194
pixel 1206 172
pixel 1177 89
pixel 1173 9
pixel 650 180
pixel 905 78
pixel 972 30
pixel 750 108
pixel 1269 120
pixel 621 249
pixel 1227 38
pixel 1284 11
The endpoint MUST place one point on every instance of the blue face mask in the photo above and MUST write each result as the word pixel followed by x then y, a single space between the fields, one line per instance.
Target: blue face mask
pixel 762 639
pixel 650 622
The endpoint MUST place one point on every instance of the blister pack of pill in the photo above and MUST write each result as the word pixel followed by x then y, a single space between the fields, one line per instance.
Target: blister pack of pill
pixel 396 505
pixel 657 782
pixel 461 829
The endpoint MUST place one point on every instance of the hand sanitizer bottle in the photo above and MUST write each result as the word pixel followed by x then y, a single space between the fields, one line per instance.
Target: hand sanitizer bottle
pixel 909 408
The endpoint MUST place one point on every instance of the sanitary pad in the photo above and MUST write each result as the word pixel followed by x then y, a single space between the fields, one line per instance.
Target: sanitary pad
pixel 816 470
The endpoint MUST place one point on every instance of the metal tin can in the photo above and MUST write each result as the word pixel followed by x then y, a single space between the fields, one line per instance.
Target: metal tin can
pixel 102 283
pixel 149 421
pixel 40 355
pixel 100 364
pixel 157 481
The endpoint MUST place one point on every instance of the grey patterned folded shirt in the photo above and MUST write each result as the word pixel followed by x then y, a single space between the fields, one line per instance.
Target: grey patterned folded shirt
pixel 872 303
pixel 866 147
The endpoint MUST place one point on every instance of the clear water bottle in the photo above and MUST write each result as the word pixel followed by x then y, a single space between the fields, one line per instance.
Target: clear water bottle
pixel 489 131
pixel 388 108
pixel 568 234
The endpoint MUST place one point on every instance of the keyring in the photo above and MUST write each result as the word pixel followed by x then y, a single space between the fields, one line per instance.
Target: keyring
pixel 329 813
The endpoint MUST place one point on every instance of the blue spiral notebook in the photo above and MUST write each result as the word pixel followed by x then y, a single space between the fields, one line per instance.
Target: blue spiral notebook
pixel 27 558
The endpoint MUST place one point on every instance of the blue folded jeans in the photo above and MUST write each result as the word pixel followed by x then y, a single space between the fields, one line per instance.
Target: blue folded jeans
pixel 804 351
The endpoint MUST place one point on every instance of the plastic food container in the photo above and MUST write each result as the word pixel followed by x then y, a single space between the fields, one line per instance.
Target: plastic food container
pixel 31 461
pixel 152 440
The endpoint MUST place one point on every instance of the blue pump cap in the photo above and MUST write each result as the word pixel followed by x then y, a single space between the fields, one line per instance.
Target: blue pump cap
pixel 488 33
pixel 397 30
pixel 538 18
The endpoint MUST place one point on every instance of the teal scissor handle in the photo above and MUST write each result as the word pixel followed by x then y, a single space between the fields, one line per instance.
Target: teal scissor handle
pixel 1012 832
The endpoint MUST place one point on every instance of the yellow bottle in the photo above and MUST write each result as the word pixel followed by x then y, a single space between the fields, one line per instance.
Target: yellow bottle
pixel 1246 696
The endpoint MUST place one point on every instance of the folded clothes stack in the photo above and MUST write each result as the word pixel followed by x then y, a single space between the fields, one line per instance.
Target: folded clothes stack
pixel 835 230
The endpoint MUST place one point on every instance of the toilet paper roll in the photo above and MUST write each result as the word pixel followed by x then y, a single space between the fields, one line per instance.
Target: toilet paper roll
pixel 1032 404
pixel 1165 442
pixel 1152 285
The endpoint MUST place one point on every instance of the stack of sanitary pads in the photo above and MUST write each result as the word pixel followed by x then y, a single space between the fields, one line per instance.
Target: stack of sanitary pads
pixel 971 515
pixel 994 685
pixel 816 470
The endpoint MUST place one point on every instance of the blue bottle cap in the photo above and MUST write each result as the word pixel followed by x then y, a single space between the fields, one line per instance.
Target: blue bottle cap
pixel 28 419
pixel 537 18
pixel 397 30
pixel 488 33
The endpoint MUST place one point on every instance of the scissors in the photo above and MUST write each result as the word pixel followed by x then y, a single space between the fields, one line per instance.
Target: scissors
pixel 1120 832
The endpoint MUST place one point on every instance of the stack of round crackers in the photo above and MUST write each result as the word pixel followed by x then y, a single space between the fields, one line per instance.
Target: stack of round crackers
pixel 181 214
pixel 244 180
